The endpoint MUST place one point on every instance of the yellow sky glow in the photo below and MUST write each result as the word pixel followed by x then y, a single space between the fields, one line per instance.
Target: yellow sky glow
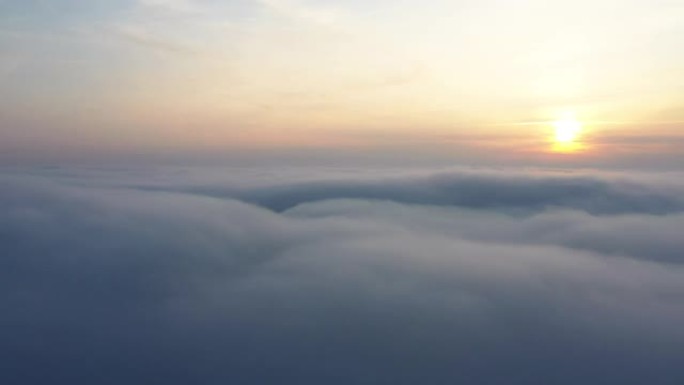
pixel 288 73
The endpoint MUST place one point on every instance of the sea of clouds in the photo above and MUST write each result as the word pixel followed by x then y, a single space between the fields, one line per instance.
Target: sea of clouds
pixel 336 276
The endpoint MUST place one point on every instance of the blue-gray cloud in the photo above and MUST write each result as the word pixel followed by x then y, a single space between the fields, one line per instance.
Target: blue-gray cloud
pixel 104 281
pixel 496 191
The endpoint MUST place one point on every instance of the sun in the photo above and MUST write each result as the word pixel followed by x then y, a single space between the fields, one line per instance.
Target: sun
pixel 567 130
pixel 566 134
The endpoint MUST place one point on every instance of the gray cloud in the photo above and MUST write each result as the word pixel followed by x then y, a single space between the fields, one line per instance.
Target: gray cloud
pixel 108 281
pixel 496 191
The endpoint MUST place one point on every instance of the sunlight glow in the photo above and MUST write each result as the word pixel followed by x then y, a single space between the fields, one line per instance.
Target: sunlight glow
pixel 566 135
pixel 567 130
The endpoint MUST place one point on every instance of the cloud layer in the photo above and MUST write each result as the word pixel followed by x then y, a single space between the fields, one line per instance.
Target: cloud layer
pixel 452 278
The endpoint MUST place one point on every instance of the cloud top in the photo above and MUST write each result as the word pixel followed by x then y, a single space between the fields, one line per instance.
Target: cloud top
pixel 357 282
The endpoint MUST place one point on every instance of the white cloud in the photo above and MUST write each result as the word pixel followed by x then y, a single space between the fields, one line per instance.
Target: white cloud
pixel 183 6
pixel 298 11
pixel 145 283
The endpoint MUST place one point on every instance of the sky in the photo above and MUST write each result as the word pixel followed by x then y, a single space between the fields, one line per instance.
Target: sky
pixel 307 192
pixel 477 80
